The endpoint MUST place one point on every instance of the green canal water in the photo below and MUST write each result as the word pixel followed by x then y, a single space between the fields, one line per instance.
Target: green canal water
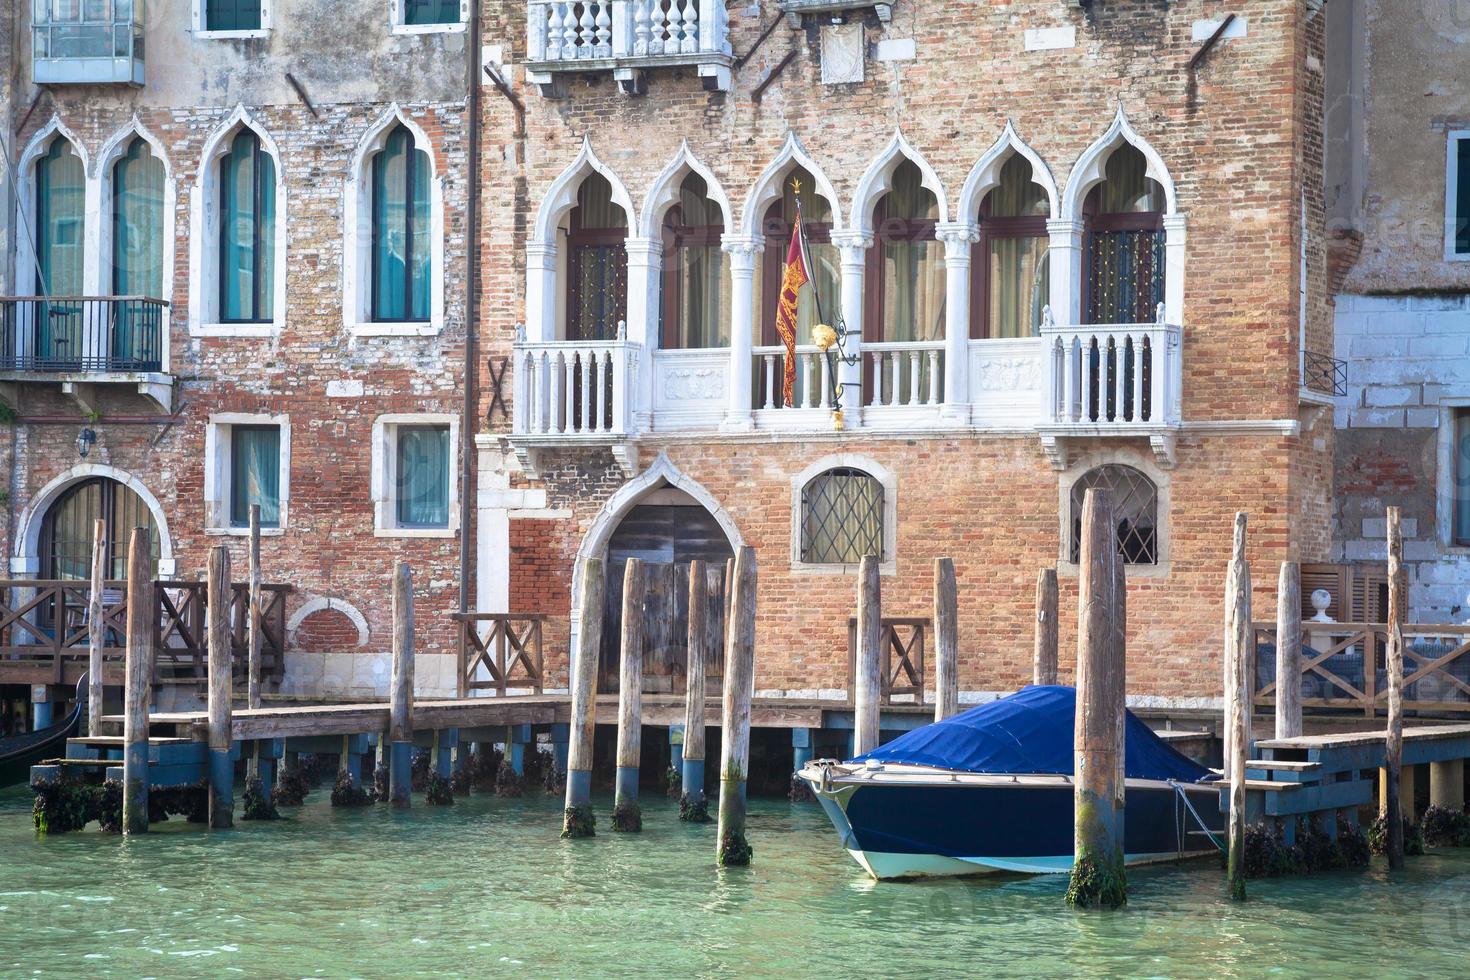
pixel 487 888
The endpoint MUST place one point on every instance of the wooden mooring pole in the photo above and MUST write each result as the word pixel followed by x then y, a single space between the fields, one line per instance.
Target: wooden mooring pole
pixel 221 765
pixel 692 804
pixel 1098 876
pixel 946 640
pixel 739 687
pixel 252 688
pixel 627 816
pixel 1044 666
pixel 1238 649
pixel 578 820
pixel 1393 752
pixel 868 679
pixel 139 680
pixel 96 629
pixel 1289 651
pixel 400 712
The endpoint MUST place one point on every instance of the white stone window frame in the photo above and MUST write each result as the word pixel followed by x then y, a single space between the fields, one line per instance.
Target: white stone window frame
pixel 204 232
pixel 396 25
pixel 385 476
pixel 1451 202
pixel 25 202
pixel 1444 491
pixel 1142 461
pixel 201 30
pixel 218 440
pixel 888 565
pixel 357 216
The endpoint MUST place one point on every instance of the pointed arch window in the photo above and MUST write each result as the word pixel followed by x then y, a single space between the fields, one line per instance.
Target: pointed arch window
pixel 816 216
pixel 60 220
pixel 1124 254
pixel 695 299
pixel 906 278
pixel 247 207
pixel 137 222
pixel 401 266
pixel 1010 279
pixel 597 257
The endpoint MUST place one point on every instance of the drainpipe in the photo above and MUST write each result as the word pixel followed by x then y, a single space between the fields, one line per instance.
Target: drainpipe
pixel 467 427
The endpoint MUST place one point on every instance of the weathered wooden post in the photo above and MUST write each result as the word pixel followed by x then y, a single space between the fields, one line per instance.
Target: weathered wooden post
pixel 221 737
pixel 96 629
pixel 693 806
pixel 868 679
pixel 400 714
pixel 1098 876
pixel 627 816
pixel 1289 651
pixel 577 819
pixel 1044 667
pixel 946 640
pixel 1238 646
pixel 739 686
pixel 1393 754
pixel 139 680
pixel 252 628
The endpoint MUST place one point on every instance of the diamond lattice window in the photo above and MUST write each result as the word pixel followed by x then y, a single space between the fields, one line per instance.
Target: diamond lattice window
pixel 1135 504
pixel 841 518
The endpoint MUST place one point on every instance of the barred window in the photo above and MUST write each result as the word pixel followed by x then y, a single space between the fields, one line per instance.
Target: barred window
pixel 841 518
pixel 1135 506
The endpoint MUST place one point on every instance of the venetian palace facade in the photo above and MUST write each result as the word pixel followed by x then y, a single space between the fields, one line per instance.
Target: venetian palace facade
pixel 1073 243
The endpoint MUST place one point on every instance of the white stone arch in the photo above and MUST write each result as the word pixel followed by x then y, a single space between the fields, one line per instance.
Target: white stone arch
pixel 888 565
pixel 25 203
pixel 768 188
pixel 663 193
pixel 878 178
pixel 660 473
pixel 1090 168
pixel 561 196
pixel 321 603
pixel 985 175
pixel 26 558
pixel 204 218
pixel 358 236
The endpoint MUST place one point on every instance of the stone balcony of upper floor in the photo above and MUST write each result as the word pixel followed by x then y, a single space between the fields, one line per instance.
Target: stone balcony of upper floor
pixel 627 39
pixel 84 346
pixel 99 42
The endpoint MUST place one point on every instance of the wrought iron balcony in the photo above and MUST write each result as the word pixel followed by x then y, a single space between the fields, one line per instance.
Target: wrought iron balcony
pixel 1324 374
pixel 96 42
pixel 626 37
pixel 84 341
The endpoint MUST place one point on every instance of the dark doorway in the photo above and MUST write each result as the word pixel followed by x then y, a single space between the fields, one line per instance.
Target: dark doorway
pixel 66 530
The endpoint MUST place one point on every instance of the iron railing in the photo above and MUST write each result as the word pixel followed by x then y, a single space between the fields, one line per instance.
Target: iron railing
pixel 1324 374
pixel 65 334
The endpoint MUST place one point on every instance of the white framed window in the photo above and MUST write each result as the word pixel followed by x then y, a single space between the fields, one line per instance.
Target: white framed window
pixel 1453 490
pixel 226 19
pixel 247 460
pixel 415 475
pixel 1140 501
pixel 843 507
pixel 1457 197
pixel 428 16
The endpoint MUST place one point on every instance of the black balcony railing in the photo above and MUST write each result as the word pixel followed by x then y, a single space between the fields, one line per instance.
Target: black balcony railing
pixel 1324 374
pixel 62 334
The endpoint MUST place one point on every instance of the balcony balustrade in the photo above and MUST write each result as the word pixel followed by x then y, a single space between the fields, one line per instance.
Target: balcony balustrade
pixel 626 37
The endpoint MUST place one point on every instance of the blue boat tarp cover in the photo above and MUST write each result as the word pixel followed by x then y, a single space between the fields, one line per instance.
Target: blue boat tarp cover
pixel 1028 732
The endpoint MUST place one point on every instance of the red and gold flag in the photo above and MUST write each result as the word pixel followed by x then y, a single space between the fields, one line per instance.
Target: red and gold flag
pixel 796 275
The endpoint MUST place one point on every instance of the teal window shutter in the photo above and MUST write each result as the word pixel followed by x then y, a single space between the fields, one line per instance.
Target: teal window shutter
pixel 430 12
pixel 401 227
pixel 247 232
pixel 255 474
pixel 232 15
pixel 422 466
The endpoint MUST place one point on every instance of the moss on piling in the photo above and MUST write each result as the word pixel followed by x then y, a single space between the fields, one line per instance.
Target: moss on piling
pixel 484 766
pixel 800 791
pixel 345 792
pixel 735 850
pixel 694 811
pixel 290 786
pixel 460 779
pixel 1444 827
pixel 1413 837
pixel 258 806
pixel 508 782
pixel 381 784
pixel 579 821
pixel 437 791
pixel 627 817
pixel 68 807
pixel 673 783
pixel 1098 884
pixel 552 781
pixel 1352 844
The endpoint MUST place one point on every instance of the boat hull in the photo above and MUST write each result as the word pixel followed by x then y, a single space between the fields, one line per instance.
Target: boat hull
pixel 907 825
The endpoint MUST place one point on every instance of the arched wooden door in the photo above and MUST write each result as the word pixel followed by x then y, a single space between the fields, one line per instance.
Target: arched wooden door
pixel 667 537
pixel 66 529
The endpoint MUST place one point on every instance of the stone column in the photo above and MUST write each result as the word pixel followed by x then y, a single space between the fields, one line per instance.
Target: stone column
pixel 541 291
pixel 1066 270
pixel 1174 225
pixel 959 238
pixel 744 254
pixel 645 270
pixel 854 246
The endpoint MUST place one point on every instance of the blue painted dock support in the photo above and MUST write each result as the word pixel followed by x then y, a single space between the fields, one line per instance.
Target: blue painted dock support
pixel 560 735
pixel 448 741
pixel 676 749
pixel 517 738
pixel 801 748
pixel 43 714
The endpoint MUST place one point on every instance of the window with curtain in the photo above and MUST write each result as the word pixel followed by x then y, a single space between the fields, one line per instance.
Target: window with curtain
pixel 60 218
pixel 694 304
pixel 841 518
pixel 1135 505
pixel 431 11
pixel 400 216
pixel 597 263
pixel 422 468
pixel 907 287
pixel 137 222
pixel 824 293
pixel 255 474
pixel 1124 257
pixel 247 182
pixel 1461 457
pixel 232 15
pixel 1009 268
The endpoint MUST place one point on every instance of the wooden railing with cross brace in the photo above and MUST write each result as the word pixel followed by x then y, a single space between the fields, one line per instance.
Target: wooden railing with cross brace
pixel 499 652
pixel 902 642
pixel 1343 666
